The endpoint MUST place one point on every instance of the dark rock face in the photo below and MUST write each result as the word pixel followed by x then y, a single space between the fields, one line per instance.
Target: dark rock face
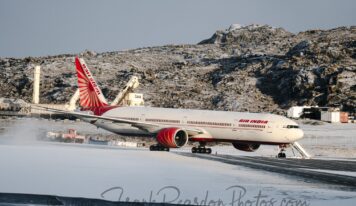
pixel 311 68
pixel 252 68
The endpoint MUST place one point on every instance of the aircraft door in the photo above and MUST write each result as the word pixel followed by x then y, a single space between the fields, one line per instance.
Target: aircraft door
pixel 269 127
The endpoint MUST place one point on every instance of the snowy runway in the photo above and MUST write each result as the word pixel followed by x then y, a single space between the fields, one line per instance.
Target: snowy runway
pixel 129 174
pixel 107 173
pixel 338 174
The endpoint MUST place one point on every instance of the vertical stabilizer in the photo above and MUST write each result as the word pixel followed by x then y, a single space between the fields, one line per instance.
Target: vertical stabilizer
pixel 89 91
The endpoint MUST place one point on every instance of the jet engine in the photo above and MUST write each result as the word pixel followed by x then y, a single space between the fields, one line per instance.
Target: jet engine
pixel 172 137
pixel 246 147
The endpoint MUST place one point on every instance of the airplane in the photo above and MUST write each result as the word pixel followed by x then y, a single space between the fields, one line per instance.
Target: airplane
pixel 174 128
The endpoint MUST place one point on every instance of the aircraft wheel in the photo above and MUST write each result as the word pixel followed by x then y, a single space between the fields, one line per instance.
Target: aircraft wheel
pixel 201 150
pixel 281 155
pixel 158 148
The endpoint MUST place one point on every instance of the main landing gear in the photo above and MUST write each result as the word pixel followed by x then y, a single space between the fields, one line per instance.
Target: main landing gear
pixel 158 147
pixel 201 149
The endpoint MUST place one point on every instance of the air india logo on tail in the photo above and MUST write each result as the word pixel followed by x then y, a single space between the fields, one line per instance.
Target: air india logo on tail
pixel 90 94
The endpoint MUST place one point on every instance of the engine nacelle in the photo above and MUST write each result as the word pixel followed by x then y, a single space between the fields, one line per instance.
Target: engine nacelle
pixel 172 137
pixel 246 147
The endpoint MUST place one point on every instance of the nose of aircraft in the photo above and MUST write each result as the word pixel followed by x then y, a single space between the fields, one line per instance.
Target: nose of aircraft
pixel 298 134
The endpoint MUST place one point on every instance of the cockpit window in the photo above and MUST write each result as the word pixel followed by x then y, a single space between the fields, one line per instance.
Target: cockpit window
pixel 291 126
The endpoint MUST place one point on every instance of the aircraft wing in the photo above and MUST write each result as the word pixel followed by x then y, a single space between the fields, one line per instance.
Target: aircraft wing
pixel 149 127
pixel 93 118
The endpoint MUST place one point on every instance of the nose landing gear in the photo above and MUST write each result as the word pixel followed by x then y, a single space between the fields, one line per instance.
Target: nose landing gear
pixel 281 154
pixel 295 145
pixel 282 151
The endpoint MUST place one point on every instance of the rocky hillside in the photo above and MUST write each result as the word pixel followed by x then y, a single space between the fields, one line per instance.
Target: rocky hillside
pixel 244 68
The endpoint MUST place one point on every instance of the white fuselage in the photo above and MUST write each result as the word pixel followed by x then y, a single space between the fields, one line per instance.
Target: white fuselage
pixel 216 125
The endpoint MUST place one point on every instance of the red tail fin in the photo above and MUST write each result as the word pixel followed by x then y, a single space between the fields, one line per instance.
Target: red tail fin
pixel 89 92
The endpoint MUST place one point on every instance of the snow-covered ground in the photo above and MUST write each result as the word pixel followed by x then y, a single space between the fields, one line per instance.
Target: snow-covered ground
pixel 81 171
pixel 330 140
pixel 29 166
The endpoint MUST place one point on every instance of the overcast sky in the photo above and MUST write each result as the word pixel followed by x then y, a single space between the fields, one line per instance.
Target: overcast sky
pixel 45 27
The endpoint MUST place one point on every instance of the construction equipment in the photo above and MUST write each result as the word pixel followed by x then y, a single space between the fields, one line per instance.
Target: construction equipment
pixel 71 105
pixel 125 97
